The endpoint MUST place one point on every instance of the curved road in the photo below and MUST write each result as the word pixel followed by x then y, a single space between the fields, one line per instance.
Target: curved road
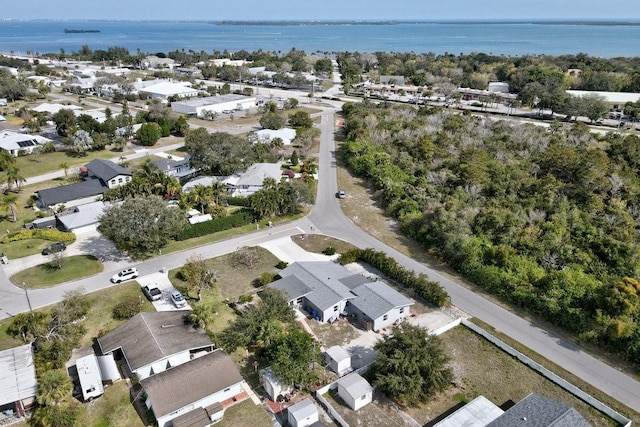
pixel 327 218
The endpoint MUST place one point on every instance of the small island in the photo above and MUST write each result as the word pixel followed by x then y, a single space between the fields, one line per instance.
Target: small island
pixel 68 31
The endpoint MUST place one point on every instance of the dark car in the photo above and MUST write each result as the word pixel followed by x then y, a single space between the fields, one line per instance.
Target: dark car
pixel 53 248
pixel 152 292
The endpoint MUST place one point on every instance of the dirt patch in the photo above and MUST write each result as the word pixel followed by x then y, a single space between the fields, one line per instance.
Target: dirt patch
pixel 338 333
pixel 316 243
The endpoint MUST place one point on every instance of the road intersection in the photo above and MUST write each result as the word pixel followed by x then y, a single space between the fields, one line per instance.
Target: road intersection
pixel 327 218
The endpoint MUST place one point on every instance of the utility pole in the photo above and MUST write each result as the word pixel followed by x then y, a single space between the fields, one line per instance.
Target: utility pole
pixel 24 286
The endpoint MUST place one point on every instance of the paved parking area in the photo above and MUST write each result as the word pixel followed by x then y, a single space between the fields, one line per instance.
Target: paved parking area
pixel 161 280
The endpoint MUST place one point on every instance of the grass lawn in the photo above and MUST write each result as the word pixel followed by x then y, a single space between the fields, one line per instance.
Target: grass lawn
pixel 99 318
pixel 113 409
pixel 317 243
pixel 33 165
pixel 22 248
pixel 234 281
pixel 339 333
pixel 245 413
pixel 7 341
pixel 43 275
pixel 480 368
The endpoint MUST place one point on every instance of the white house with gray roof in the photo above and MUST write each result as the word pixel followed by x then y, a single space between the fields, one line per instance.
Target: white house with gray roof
pixel 252 180
pixel 326 289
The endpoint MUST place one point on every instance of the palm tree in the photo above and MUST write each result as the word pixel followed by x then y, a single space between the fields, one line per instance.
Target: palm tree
pixel 218 189
pixel 8 202
pixel 14 177
pixel 53 387
pixel 65 167
pixel 6 160
pixel 201 195
pixel 201 316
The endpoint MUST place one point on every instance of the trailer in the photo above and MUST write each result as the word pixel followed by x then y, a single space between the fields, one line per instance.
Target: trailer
pixel 90 377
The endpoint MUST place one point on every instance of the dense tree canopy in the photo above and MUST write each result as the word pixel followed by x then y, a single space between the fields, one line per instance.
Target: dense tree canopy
pixel 141 224
pixel 547 219
pixel 218 153
pixel 411 365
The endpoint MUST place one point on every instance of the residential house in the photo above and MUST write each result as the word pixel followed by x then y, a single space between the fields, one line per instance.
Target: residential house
pixel 16 143
pixel 540 411
pixel 326 290
pixel 177 167
pixel 265 136
pixel 82 219
pixel 203 107
pixel 165 90
pixel 71 195
pixel 112 174
pixel 151 343
pixel 338 360
pixel 153 61
pixel 51 109
pixel 18 383
pixel 378 305
pixel 247 183
pixel 194 393
pixel 272 385
pixel 303 414
pixel 355 391
pixel 533 410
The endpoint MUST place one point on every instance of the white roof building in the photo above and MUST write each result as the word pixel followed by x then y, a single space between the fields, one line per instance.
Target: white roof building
pixel 18 384
pixel 165 90
pixel 619 98
pixel 216 104
pixel 355 391
pixel 45 107
pixel 287 135
pixel 16 143
pixel 97 115
pixel 90 377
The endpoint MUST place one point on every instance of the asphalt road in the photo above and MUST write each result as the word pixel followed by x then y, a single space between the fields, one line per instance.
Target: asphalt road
pixel 327 218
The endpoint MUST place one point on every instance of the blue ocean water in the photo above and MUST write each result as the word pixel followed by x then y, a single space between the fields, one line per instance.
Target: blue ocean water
pixel 605 40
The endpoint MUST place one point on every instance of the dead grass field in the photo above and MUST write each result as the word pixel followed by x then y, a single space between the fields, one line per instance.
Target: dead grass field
pixel 317 243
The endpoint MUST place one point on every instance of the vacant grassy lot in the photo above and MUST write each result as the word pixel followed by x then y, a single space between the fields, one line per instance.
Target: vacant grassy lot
pixel 317 243
pixel 235 280
pixel 246 414
pixel 480 368
pixel 113 409
pixel 44 275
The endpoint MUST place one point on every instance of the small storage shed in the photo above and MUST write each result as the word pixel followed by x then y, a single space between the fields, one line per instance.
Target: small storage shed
pixel 90 377
pixel 355 391
pixel 272 384
pixel 303 414
pixel 338 360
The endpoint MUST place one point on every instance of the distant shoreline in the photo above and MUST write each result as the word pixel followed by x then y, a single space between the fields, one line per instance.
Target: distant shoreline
pixel 578 22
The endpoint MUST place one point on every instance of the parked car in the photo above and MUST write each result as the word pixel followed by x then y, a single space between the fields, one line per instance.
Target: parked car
pixel 152 292
pixel 342 194
pixel 128 274
pixel 178 300
pixel 53 248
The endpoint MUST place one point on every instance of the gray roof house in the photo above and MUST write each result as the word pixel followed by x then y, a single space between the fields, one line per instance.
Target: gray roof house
pixel 181 169
pixel 536 410
pixel 247 183
pixel 195 393
pixel 327 289
pixel 18 384
pixel 113 175
pixel 72 194
pixel 83 218
pixel 155 342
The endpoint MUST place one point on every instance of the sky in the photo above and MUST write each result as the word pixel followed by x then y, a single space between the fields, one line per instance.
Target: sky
pixel 211 10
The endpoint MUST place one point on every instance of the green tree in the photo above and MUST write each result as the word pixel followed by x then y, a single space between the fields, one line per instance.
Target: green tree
pixel 63 415
pixel 141 225
pixel 201 316
pixel 411 365
pixel 292 355
pixel 8 203
pixel 272 120
pixel 301 119
pixel 199 274
pixel 54 387
pixel 14 176
pixel 65 122
pixel 80 142
pixel 149 134
pixel 218 153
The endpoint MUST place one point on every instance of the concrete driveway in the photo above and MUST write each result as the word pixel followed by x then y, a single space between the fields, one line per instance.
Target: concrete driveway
pixel 161 280
pixel 285 250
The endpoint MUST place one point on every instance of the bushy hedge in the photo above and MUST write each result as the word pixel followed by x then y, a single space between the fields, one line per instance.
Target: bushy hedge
pixel 45 234
pixel 427 289
pixel 238 201
pixel 237 219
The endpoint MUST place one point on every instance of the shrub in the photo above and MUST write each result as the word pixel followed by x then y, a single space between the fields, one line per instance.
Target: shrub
pixel 282 264
pixel 238 201
pixel 237 219
pixel 127 308
pixel 266 278
pixel 243 299
pixel 46 234
pixel 330 250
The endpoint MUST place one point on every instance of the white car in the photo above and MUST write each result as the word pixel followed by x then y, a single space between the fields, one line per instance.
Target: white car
pixel 124 275
pixel 178 300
